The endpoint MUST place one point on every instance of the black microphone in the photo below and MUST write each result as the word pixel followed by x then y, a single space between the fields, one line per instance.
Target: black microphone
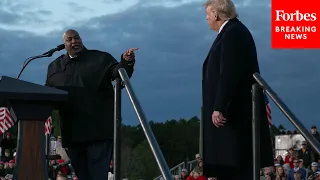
pixel 58 48
pixel 47 54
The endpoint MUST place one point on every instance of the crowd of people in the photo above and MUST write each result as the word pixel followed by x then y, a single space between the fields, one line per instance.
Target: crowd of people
pixel 58 169
pixel 8 157
pixel 296 164
pixel 195 174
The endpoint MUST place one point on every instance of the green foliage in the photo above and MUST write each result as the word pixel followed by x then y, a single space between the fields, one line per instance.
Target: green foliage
pixel 56 123
pixel 281 127
pixel 274 131
pixel 178 140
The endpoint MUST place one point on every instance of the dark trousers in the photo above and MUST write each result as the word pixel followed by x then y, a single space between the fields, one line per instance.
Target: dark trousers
pixel 233 173
pixel 91 162
pixel 236 177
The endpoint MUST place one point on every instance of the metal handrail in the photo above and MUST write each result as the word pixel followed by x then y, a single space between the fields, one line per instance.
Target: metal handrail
pixel 117 130
pixel 164 169
pixel 191 164
pixel 256 108
pixel 288 113
pixel 173 170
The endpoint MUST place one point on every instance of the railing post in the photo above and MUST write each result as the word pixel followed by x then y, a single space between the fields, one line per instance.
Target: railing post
pixel 201 133
pixel 164 169
pixel 256 110
pixel 117 130
pixel 288 113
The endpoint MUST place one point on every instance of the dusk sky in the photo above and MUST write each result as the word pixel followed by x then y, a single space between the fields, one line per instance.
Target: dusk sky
pixel 174 39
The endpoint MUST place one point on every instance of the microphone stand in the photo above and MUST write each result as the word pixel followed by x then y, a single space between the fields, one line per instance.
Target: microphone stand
pixel 28 60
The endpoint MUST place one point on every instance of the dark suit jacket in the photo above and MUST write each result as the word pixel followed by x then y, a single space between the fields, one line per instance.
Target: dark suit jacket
pixel 307 157
pixel 303 173
pixel 226 87
pixel 88 116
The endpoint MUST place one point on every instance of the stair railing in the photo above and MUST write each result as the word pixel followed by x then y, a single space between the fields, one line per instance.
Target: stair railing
pixel 144 124
pixel 262 85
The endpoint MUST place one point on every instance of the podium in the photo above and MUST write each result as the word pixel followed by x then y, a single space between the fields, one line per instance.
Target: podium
pixel 31 104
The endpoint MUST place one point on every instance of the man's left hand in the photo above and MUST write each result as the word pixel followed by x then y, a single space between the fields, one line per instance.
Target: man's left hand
pixel 129 54
pixel 217 119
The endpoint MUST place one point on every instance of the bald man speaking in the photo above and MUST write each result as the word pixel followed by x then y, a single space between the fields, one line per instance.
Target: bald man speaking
pixel 87 118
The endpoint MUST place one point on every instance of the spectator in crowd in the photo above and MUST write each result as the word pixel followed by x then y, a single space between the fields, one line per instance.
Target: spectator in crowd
pixel 177 177
pixel 195 175
pixel 2 170
pixel 315 132
pixel 261 172
pixel 63 167
pixel 290 158
pixel 7 143
pixel 268 172
pixel 286 168
pixel 298 176
pixel 314 169
pixel 7 156
pixel 6 169
pixel 296 170
pixel 305 154
pixel 59 167
pixel 198 157
pixel 279 160
pixel 184 174
pixel 61 177
pixel 62 152
pixel 317 176
pixel 59 142
pixel 10 167
pixel 280 173
pixel 199 167
pixel 301 166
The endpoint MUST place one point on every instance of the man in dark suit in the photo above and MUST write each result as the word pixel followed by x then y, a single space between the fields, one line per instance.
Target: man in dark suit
pixel 87 117
pixel 227 101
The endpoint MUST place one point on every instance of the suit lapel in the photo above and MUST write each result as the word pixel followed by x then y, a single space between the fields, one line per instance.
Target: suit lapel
pixel 231 21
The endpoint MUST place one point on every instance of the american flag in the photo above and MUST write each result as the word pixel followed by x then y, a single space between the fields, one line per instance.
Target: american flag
pixel 268 109
pixel 47 126
pixel 7 121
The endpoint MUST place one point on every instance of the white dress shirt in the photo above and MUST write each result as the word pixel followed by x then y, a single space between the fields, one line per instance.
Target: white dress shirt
pixel 223 25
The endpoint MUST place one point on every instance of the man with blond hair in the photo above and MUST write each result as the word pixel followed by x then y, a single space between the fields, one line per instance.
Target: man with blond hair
pixel 227 102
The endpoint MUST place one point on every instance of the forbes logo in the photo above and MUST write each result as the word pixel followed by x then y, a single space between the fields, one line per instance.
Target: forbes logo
pixel 281 15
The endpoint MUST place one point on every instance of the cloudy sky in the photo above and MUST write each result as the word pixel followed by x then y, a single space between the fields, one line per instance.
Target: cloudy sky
pixel 173 37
